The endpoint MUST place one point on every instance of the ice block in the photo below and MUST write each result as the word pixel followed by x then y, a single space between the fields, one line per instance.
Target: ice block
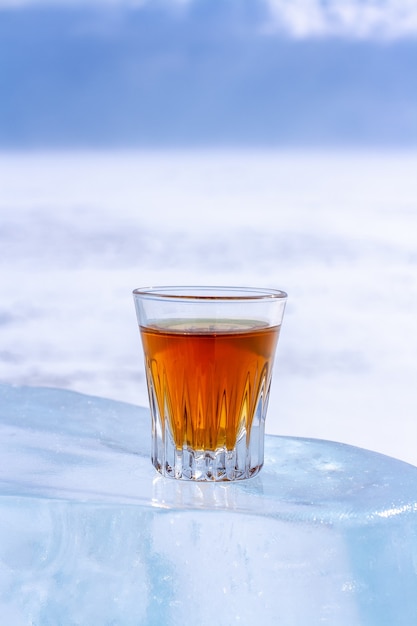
pixel 91 534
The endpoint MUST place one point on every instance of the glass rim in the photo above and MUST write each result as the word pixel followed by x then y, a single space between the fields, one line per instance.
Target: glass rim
pixel 223 293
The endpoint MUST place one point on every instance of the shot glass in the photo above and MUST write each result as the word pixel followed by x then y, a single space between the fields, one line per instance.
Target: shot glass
pixel 209 353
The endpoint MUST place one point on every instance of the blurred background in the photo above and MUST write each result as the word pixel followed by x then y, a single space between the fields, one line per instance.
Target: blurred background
pixel 249 142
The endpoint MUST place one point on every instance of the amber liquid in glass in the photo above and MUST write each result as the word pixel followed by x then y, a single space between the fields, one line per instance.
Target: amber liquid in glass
pixel 208 377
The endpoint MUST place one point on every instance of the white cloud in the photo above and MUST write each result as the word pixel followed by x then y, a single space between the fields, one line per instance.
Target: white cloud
pixel 359 19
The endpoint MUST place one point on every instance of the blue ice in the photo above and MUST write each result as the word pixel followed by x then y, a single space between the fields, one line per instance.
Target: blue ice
pixel 90 534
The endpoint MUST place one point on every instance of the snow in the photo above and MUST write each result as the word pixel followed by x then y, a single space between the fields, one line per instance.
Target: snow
pixel 336 230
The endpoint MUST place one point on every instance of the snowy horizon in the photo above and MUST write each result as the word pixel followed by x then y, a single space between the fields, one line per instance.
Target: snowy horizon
pixel 336 230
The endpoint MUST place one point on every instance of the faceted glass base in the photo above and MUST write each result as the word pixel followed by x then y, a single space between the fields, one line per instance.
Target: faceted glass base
pixel 219 465
pixel 244 461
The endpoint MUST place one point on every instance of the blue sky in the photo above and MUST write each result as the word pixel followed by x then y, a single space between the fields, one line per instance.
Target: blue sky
pixel 198 72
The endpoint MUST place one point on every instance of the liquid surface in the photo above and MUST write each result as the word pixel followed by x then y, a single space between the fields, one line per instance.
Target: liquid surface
pixel 208 377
